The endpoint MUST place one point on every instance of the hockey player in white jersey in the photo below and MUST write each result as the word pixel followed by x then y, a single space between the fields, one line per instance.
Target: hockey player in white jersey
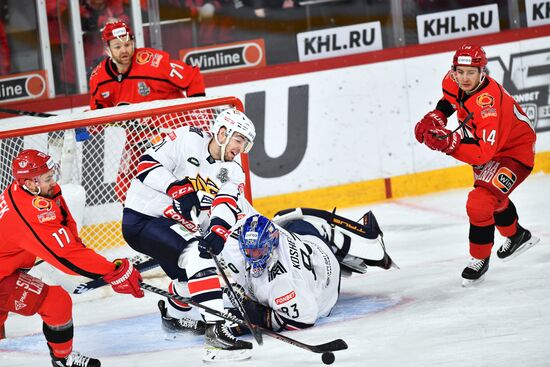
pixel 290 273
pixel 191 171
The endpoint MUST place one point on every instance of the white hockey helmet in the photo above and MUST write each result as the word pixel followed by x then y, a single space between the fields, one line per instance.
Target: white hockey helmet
pixel 235 122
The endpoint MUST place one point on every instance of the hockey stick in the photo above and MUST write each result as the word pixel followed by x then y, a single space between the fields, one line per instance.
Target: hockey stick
pixel 332 346
pixel 234 299
pixel 144 265
pixel 441 137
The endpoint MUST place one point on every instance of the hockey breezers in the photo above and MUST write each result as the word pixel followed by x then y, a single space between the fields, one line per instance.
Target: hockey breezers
pixel 332 346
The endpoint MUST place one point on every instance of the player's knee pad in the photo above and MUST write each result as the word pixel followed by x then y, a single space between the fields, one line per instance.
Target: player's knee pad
pixel 57 307
pixel 481 206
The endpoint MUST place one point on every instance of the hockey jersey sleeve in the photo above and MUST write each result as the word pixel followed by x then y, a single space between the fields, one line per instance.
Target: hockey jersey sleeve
pixel 226 202
pixel 49 232
pixel 157 164
pixel 185 77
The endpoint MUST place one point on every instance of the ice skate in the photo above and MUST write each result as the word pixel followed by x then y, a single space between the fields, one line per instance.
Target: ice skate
pixel 474 273
pixel 517 244
pixel 221 346
pixel 181 325
pixel 75 359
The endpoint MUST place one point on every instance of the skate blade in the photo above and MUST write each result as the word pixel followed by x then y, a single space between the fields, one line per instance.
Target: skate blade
pixel 215 355
pixel 471 282
pixel 526 246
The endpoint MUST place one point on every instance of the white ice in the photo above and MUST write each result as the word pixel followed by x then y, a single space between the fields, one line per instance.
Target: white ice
pixel 416 316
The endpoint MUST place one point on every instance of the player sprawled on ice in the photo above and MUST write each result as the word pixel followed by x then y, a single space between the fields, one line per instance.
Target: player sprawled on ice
pixel 192 171
pixel 36 222
pixel 288 270
pixel 497 139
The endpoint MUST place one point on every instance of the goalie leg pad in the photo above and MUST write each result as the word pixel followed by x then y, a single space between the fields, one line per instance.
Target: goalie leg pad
pixel 355 245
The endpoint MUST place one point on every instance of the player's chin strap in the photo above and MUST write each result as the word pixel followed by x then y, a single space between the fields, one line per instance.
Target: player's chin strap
pixel 355 245
pixel 222 146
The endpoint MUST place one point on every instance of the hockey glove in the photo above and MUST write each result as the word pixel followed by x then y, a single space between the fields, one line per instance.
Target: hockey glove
pixel 434 140
pixel 184 198
pixel 214 240
pixel 434 119
pixel 125 278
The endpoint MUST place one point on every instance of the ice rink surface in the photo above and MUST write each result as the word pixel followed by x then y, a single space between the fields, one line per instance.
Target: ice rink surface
pixel 416 316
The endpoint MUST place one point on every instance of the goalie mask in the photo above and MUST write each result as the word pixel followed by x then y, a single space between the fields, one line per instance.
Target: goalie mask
pixel 235 122
pixel 257 241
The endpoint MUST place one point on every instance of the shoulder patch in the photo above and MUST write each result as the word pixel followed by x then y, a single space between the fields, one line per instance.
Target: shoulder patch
pixel 485 100
pixel 156 60
pixel 277 269
pixel 197 130
pixel 143 56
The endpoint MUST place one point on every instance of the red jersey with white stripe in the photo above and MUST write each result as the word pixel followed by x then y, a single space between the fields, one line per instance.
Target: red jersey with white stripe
pixel 152 76
pixel 34 226
pixel 498 128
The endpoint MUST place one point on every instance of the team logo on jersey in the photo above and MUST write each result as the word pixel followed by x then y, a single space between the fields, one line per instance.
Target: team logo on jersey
pixel 143 89
pixel 504 179
pixel 488 112
pixel 277 269
pixel 287 297
pixel 143 57
pixel 105 94
pixel 485 100
pixel 41 203
pixel 223 175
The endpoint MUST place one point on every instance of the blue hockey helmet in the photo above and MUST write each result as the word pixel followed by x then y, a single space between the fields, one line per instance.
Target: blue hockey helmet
pixel 257 240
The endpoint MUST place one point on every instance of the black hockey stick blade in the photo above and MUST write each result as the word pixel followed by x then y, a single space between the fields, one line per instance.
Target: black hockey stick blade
pixel 331 346
pixel 441 137
pixel 100 282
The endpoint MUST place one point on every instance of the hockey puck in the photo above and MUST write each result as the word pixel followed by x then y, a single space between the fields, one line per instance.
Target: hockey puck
pixel 328 358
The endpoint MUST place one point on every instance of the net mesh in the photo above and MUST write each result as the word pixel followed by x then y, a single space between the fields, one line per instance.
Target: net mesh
pixel 95 172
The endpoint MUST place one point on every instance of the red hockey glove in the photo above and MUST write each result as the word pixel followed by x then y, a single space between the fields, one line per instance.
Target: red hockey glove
pixel 432 119
pixel 185 198
pixel 215 239
pixel 125 278
pixel 433 140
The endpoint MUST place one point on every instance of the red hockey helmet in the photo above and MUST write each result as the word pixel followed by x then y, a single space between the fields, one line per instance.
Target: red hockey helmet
pixel 470 55
pixel 118 30
pixel 29 164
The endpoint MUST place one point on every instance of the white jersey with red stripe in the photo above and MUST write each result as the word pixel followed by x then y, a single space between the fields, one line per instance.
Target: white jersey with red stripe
pixel 180 154
pixel 300 283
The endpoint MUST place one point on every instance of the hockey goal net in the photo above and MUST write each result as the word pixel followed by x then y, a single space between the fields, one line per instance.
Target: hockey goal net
pixel 98 151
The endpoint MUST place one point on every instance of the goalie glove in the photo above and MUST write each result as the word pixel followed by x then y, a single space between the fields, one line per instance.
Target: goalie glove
pixel 434 119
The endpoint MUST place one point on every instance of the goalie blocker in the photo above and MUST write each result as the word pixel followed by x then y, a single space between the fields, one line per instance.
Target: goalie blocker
pixel 356 245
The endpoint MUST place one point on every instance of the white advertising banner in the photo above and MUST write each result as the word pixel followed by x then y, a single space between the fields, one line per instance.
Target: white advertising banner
pixel 339 41
pixel 460 23
pixel 537 12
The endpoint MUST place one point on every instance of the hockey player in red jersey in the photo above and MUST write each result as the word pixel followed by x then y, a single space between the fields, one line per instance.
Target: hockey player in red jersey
pixel 498 140
pixel 132 75
pixel 36 222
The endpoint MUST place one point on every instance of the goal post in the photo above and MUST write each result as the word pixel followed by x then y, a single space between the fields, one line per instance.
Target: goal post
pixel 96 172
